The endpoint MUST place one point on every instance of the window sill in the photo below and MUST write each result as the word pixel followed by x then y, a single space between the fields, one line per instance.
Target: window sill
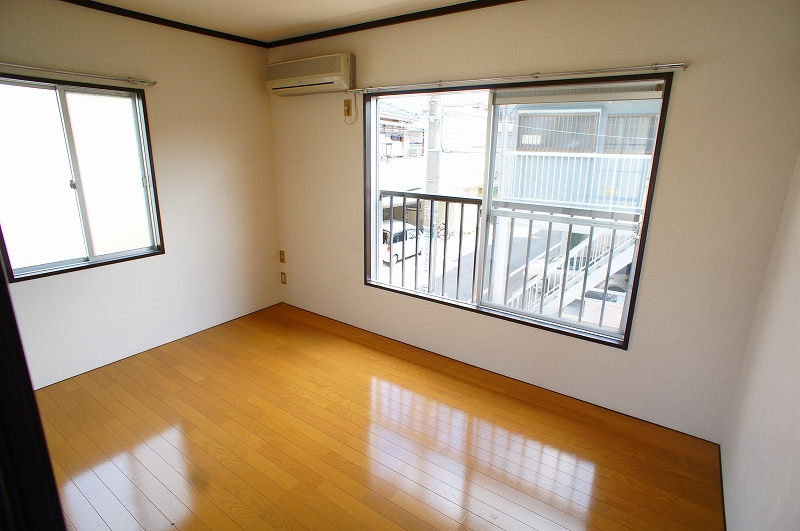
pixel 46 271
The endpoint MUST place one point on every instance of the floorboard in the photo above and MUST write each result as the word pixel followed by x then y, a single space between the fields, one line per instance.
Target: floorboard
pixel 286 420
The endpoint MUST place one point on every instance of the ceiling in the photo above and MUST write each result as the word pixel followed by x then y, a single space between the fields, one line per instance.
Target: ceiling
pixel 272 20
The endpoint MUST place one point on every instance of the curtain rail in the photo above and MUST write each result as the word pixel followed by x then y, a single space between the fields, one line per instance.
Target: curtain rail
pixel 518 79
pixel 131 80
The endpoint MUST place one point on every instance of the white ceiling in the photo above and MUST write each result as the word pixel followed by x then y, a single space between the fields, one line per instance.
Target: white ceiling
pixel 270 20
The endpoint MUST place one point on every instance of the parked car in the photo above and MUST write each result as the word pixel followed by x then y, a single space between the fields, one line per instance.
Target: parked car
pixel 593 306
pixel 598 295
pixel 391 252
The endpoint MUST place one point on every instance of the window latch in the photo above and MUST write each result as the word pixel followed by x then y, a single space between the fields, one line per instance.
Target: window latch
pixel 73 185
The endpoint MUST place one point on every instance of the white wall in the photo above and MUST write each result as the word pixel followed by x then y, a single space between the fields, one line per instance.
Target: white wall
pixel 760 456
pixel 731 139
pixel 209 123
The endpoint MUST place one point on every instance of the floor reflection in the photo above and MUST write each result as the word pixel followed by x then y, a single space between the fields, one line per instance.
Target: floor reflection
pixel 457 461
pixel 109 483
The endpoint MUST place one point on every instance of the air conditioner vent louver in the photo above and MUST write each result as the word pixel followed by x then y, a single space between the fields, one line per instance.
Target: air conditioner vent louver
pixel 327 73
pixel 307 67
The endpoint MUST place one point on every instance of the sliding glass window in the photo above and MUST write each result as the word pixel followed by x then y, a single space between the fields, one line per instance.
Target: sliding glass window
pixel 525 203
pixel 77 180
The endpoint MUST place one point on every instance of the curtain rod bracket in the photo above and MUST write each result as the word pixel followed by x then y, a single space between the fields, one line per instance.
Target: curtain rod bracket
pixel 131 80
pixel 463 83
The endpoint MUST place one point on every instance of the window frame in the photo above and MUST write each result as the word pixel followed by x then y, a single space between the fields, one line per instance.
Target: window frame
pixel 78 264
pixel 372 128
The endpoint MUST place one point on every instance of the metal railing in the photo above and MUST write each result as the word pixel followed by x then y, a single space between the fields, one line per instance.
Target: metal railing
pixel 586 180
pixel 542 260
pixel 582 250
pixel 442 265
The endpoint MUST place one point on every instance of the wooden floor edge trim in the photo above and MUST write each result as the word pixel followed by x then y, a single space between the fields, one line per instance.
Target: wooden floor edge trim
pixel 339 325
pixel 351 332
pixel 585 403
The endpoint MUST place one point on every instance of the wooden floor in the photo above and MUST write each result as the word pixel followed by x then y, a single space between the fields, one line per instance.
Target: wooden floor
pixel 285 420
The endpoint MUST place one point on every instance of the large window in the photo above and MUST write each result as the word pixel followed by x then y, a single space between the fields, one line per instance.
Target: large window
pixel 526 203
pixel 76 176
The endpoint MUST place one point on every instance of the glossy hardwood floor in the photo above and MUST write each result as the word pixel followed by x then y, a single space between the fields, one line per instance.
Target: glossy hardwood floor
pixel 285 420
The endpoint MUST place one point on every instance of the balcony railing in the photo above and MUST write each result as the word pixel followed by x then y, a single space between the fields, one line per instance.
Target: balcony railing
pixel 553 262
pixel 444 265
pixel 587 180
pixel 560 263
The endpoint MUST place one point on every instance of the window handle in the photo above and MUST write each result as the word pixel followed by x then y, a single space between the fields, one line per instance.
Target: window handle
pixel 73 185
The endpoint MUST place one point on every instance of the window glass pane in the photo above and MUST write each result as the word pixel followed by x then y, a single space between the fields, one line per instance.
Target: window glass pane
pixel 431 144
pixel 559 168
pixel 106 135
pixel 38 208
pixel 574 132
pixel 523 202
pixel 630 133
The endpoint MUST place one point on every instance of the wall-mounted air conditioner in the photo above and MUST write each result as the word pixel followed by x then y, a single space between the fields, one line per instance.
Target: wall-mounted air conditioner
pixel 326 73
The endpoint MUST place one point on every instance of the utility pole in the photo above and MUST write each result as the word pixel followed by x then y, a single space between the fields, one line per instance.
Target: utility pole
pixel 432 176
pixel 434 144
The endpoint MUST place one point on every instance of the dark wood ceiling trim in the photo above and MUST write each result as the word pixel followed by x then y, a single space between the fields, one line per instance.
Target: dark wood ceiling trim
pixel 400 19
pixel 99 6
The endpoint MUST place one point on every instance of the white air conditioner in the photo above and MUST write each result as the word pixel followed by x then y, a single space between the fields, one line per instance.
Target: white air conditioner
pixel 326 73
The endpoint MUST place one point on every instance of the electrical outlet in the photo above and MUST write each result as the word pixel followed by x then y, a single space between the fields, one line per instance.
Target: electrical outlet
pixel 283 257
pixel 283 277
pixel 348 108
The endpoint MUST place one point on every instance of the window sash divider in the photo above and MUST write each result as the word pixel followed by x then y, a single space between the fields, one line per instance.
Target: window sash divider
pixel 147 174
pixel 483 241
pixel 76 173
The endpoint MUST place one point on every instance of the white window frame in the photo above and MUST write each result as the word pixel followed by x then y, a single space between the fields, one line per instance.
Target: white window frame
pixel 154 218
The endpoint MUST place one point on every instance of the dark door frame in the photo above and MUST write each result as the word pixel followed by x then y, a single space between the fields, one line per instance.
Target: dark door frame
pixel 28 494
